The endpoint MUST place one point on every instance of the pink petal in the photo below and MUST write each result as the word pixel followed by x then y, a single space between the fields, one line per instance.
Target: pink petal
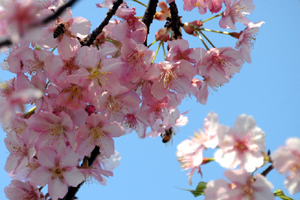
pixel 73 177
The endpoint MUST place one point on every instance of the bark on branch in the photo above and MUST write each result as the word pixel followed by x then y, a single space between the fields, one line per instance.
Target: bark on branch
pixel 175 21
pixel 91 38
pixel 148 16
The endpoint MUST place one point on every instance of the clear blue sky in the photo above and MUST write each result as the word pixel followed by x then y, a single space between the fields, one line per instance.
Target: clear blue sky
pixel 267 89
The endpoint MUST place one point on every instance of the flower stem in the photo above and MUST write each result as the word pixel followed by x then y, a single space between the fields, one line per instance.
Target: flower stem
pixel 212 17
pixel 202 41
pixel 214 31
pixel 136 1
pixel 207 39
pixel 156 53
pixel 151 44
pixel 163 47
pixel 53 49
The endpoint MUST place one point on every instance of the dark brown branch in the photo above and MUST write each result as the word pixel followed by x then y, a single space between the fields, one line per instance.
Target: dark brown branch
pixel 58 12
pixel 175 21
pixel 73 190
pixel 91 38
pixel 148 16
pixel 6 42
pixel 268 170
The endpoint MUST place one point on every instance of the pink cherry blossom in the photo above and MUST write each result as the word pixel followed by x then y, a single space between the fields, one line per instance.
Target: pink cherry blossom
pixel 287 160
pixel 179 49
pixel 117 105
pixel 246 38
pixel 55 130
pixel 95 171
pixel 58 171
pixel 164 13
pixel 210 126
pixel 11 98
pixel 67 43
pixel 110 163
pixel 20 190
pixel 235 12
pixel 98 131
pixel 191 4
pixel 241 146
pixel 100 73
pixel 199 88
pixel 169 75
pixel 220 64
pixel 137 58
pixel 21 151
pixel 242 187
pixel 73 93
pixel 190 155
pixel 214 6
pixel 20 16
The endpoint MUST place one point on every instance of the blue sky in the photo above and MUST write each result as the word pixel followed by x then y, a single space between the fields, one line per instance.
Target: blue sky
pixel 267 89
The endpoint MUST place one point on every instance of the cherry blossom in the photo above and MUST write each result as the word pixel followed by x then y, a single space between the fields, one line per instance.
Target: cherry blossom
pixel 220 64
pixel 246 39
pixel 242 145
pixel 97 131
pixel 287 160
pixel 58 171
pixel 84 96
pixel 235 12
pixel 20 190
pixel 242 187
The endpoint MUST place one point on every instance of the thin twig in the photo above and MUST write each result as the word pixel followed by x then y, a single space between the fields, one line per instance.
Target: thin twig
pixel 91 38
pixel 148 16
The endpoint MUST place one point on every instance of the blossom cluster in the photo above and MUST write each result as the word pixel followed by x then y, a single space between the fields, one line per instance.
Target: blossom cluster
pixel 84 96
pixel 241 146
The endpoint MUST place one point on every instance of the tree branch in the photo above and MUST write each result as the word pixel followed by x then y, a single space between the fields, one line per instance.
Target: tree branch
pixel 148 16
pixel 267 171
pixel 73 190
pixel 175 20
pixel 91 38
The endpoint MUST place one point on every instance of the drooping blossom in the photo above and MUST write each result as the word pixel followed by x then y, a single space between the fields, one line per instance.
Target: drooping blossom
pixel 286 160
pixel 243 145
pixel 246 39
pixel 242 186
pixel 200 88
pixel 190 155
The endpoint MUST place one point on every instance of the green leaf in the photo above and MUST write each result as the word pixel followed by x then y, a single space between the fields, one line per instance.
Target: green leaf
pixel 279 193
pixel 199 190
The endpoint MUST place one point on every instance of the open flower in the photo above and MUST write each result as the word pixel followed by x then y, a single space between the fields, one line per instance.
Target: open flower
pixel 243 145
pixel 287 160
